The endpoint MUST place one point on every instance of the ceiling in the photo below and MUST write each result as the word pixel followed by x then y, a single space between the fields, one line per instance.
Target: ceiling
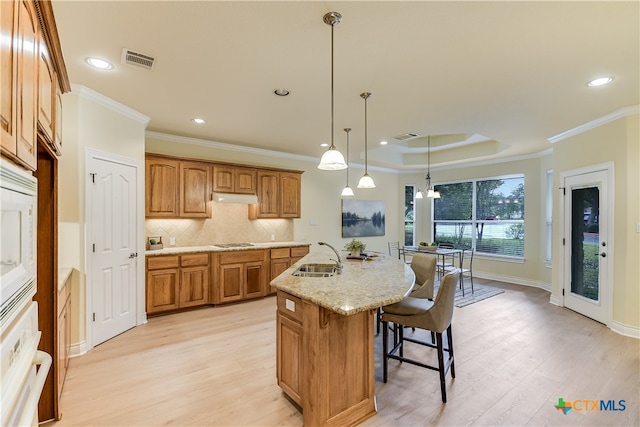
pixel 488 80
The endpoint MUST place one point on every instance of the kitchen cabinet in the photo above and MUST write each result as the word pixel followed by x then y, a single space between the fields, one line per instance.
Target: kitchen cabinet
pixel 49 103
pixel 177 189
pixel 278 195
pixel 195 190
pixel 241 275
pixel 289 366
pixel 161 192
pixel 19 77
pixel 234 179
pixel 64 333
pixel 281 259
pixel 177 281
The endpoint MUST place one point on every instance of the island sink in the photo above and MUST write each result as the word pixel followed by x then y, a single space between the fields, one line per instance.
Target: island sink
pixel 315 270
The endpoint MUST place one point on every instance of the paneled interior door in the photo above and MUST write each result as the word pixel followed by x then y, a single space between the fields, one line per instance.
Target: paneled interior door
pixel 113 193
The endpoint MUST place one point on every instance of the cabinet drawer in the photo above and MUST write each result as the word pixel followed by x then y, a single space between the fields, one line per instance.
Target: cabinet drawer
pixel 290 306
pixel 195 259
pixel 160 262
pixel 299 251
pixel 242 256
pixel 280 253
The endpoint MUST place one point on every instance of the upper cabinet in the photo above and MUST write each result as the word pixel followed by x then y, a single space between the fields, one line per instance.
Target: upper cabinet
pixel 177 189
pixel 278 195
pixel 162 181
pixel 234 179
pixel 33 78
pixel 195 190
pixel 19 69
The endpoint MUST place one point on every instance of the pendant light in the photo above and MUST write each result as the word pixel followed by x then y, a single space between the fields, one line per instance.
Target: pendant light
pixel 431 193
pixel 347 191
pixel 332 159
pixel 366 181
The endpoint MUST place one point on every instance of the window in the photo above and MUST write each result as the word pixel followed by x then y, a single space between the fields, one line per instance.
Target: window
pixel 487 215
pixel 409 229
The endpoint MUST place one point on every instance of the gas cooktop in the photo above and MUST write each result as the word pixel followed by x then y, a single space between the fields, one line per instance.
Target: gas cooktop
pixel 233 245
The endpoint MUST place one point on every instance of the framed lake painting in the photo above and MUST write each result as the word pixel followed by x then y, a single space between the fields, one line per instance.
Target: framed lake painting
pixel 361 218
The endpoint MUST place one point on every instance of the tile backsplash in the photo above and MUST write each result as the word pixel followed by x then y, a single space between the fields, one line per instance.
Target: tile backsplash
pixel 229 223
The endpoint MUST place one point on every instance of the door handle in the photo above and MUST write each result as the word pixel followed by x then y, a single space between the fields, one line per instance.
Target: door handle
pixel 133 255
pixel 603 255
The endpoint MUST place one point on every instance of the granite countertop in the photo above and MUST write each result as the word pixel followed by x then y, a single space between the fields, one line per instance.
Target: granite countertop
pixel 173 250
pixel 363 285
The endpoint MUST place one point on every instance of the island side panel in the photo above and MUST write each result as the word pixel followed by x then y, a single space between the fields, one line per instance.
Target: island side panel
pixel 338 385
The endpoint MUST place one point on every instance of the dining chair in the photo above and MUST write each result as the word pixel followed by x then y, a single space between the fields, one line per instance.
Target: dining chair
pixel 395 247
pixel 467 266
pixel 434 316
pixel 448 261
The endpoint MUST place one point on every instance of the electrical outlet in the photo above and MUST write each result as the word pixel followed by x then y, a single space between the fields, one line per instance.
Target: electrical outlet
pixel 273 237
pixel 172 241
pixel 638 227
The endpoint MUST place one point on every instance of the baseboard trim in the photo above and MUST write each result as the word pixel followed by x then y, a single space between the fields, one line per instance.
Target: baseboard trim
pixel 626 330
pixel 513 279
pixel 78 349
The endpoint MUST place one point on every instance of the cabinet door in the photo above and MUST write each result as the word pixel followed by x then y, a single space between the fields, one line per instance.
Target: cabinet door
pixel 245 181
pixel 45 95
pixel 255 279
pixel 277 267
pixel 194 286
pixel 223 179
pixel 162 180
pixel 57 126
pixel 162 290
pixel 195 190
pixel 289 195
pixel 289 357
pixel 267 206
pixel 27 93
pixel 61 365
pixel 231 282
pixel 8 75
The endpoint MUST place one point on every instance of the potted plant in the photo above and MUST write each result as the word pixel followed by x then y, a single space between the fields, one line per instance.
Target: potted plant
pixel 356 247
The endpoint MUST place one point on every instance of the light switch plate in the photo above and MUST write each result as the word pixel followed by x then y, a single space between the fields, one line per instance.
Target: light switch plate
pixel 290 305
pixel 638 227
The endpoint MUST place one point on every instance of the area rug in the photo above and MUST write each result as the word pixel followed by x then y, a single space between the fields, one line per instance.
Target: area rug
pixel 480 292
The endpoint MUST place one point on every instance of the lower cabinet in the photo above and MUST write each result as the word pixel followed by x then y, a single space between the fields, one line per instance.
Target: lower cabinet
pixel 281 259
pixel 177 281
pixel 241 275
pixel 289 346
pixel 64 333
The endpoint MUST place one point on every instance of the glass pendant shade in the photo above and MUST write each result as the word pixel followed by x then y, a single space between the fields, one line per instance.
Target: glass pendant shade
pixel 419 194
pixel 432 194
pixel 366 182
pixel 332 160
pixel 347 191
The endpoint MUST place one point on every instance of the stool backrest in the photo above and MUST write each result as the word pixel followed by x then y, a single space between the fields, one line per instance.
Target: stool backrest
pixel 442 311
pixel 424 267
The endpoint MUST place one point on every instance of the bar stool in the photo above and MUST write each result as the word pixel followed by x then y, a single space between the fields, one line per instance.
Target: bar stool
pixel 423 314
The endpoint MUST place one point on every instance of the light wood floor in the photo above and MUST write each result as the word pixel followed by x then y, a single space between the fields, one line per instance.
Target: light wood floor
pixel 516 354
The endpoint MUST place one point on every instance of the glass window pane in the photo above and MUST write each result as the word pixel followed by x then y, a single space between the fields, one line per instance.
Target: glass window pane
pixel 458 233
pixel 500 199
pixel 454 202
pixel 409 191
pixel 504 238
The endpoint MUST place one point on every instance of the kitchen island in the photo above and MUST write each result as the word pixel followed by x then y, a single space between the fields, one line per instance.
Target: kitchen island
pixel 325 335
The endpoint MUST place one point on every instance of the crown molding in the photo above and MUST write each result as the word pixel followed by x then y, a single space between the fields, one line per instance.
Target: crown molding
pixel 98 98
pixel 623 112
pixel 252 150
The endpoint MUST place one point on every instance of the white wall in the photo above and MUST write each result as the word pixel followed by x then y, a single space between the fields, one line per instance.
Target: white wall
pixel 91 121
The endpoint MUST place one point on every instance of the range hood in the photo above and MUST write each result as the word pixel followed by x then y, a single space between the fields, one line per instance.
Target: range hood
pixel 247 199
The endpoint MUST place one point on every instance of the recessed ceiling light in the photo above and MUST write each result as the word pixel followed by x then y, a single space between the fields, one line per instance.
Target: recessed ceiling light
pixel 383 142
pixel 281 92
pixel 198 120
pixel 324 144
pixel 98 63
pixel 600 81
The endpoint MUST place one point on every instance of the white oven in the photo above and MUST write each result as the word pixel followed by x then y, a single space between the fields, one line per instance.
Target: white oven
pixel 18 191
pixel 23 368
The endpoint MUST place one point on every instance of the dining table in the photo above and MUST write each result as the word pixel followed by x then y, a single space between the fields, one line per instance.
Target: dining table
pixel 442 254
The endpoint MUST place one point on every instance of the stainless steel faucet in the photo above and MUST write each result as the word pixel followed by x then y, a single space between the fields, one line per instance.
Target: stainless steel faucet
pixel 338 261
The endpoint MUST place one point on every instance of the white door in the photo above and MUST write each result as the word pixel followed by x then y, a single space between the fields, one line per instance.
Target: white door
pixel 114 248
pixel 587 254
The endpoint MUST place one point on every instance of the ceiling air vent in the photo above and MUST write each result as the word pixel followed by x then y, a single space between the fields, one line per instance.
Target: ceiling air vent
pixel 138 59
pixel 406 136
